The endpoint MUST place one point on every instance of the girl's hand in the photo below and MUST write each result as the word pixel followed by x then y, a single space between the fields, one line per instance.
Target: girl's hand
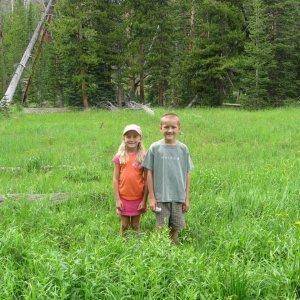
pixel 119 205
pixel 142 206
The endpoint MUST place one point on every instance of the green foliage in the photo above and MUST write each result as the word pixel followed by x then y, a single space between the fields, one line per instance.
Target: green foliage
pixel 80 50
pixel 162 52
pixel 207 69
pixel 258 62
pixel 284 37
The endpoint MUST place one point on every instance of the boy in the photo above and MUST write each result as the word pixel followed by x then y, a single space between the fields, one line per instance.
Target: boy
pixel 169 164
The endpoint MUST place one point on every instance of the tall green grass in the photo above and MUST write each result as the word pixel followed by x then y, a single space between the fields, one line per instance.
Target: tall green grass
pixel 242 235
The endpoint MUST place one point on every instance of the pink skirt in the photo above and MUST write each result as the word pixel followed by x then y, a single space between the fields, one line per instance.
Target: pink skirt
pixel 130 208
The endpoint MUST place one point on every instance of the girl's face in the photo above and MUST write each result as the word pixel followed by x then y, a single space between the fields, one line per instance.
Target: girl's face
pixel 132 140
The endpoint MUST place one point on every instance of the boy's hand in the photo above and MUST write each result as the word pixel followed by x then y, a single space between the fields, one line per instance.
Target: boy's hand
pixel 152 202
pixel 185 206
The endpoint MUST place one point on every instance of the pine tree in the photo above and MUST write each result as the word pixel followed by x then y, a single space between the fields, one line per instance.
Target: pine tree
pixel 138 32
pixel 259 59
pixel 185 16
pixel 81 37
pixel 283 33
pixel 160 55
pixel 207 70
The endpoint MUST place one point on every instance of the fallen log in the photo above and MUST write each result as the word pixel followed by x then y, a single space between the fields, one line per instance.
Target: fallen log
pixel 45 110
pixel 35 197
pixel 236 105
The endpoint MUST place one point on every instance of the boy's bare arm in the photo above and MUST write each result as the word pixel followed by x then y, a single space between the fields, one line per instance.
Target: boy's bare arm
pixel 186 204
pixel 152 199
pixel 116 175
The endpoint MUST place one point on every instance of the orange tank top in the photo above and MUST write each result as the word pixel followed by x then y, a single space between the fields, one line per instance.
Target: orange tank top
pixel 131 180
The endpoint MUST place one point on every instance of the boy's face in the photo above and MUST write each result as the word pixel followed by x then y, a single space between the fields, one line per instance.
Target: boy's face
pixel 170 128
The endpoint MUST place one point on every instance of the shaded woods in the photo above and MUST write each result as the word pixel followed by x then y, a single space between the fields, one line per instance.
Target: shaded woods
pixel 161 52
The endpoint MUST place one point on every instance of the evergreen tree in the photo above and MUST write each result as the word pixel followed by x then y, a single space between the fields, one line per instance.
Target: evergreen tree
pixel 207 69
pixel 259 59
pixel 185 21
pixel 82 42
pixel 138 32
pixel 160 55
pixel 283 33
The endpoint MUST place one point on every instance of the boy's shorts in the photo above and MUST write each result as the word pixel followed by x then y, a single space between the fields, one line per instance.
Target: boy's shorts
pixel 171 215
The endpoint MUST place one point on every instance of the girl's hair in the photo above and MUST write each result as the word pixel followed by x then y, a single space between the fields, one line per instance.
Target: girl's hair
pixel 123 154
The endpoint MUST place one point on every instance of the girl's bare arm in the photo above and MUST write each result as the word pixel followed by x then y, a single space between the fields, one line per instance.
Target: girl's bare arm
pixel 143 204
pixel 146 191
pixel 116 176
pixel 152 199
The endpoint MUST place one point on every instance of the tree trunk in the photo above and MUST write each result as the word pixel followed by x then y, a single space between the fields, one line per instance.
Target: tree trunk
pixel 26 3
pixel 256 80
pixel 120 95
pixel 142 87
pixel 84 90
pixel 192 27
pixel 132 87
pixel 161 94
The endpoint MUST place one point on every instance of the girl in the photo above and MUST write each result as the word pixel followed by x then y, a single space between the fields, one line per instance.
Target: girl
pixel 129 179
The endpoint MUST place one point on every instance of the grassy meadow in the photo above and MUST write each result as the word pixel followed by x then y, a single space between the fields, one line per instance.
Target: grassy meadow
pixel 242 239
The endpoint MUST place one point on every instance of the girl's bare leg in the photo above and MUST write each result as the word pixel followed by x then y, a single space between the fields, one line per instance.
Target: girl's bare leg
pixel 125 224
pixel 135 223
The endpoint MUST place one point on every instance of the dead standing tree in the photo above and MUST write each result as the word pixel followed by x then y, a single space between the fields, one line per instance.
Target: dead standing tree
pixel 8 96
pixel 45 37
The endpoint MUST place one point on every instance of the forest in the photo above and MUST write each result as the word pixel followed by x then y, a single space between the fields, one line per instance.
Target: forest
pixel 165 53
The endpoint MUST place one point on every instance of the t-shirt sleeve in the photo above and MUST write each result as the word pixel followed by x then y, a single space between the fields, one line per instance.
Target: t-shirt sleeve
pixel 148 160
pixel 116 159
pixel 189 162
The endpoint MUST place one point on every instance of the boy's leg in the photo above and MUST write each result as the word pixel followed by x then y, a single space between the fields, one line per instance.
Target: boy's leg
pixel 174 232
pixel 125 223
pixel 176 221
pixel 135 223
pixel 162 217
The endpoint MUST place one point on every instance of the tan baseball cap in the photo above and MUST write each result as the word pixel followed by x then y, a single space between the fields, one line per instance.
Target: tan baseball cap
pixel 133 127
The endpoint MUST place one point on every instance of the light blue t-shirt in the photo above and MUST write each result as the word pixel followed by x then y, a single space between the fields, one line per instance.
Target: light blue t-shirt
pixel 170 165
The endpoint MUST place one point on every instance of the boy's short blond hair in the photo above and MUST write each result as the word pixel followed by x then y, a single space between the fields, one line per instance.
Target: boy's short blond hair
pixel 171 115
